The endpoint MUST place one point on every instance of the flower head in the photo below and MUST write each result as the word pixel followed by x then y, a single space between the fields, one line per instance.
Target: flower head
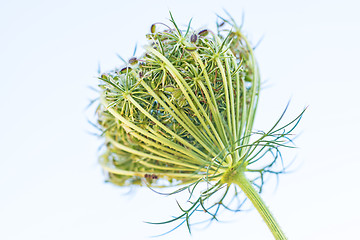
pixel 183 113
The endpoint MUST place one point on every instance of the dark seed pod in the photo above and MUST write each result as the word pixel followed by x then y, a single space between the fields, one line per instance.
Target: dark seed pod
pixel 152 28
pixel 193 38
pixel 133 61
pixel 190 48
pixel 203 33
pixel 124 70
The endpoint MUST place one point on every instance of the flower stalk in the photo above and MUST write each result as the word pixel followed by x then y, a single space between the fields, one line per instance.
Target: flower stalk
pixel 240 179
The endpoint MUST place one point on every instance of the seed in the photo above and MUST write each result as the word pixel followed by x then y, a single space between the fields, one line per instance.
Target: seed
pixel 152 28
pixel 190 48
pixel 125 69
pixel 203 33
pixel 169 88
pixel 193 38
pixel 133 61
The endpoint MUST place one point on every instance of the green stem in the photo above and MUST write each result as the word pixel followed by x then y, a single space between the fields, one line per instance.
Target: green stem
pixel 259 204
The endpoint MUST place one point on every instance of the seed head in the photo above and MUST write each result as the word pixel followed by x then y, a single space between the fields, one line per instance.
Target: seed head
pixel 184 114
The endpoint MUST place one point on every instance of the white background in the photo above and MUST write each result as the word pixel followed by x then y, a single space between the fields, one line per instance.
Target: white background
pixel 51 186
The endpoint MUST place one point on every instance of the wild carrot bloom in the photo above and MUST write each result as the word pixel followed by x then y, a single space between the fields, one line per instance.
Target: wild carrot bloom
pixel 183 114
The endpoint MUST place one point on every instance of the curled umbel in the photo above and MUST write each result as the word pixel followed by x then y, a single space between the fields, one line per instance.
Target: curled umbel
pixel 183 113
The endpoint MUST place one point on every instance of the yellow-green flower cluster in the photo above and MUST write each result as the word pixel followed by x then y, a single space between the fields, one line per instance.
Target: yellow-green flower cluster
pixel 179 111
pixel 183 113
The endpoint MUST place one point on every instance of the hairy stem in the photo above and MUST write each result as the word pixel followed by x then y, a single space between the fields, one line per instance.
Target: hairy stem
pixel 259 204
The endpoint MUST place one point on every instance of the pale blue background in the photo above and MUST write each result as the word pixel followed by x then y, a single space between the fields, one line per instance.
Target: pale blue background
pixel 51 186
